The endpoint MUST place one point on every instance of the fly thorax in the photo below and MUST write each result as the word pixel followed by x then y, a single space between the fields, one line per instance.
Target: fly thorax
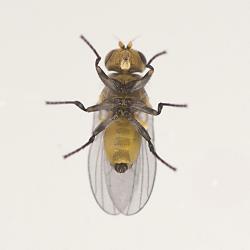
pixel 122 101
pixel 123 112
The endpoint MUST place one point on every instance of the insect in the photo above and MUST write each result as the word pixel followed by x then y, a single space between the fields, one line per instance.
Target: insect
pixel 122 157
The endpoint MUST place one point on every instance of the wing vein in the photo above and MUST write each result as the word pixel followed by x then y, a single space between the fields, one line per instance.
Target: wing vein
pixel 142 172
pixel 102 179
pixel 147 170
pixel 96 165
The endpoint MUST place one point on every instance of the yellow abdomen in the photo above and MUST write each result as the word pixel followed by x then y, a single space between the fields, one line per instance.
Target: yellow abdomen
pixel 121 142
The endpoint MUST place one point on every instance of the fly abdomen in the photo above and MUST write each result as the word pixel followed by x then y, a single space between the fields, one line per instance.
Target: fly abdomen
pixel 121 143
pixel 121 130
pixel 121 154
pixel 121 167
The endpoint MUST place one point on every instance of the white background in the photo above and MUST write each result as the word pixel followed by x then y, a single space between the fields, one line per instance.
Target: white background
pixel 46 202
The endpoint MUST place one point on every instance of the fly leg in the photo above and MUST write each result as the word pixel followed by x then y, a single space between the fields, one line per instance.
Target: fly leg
pixel 144 133
pixel 155 56
pixel 143 108
pixel 97 107
pixel 110 83
pixel 138 84
pixel 97 130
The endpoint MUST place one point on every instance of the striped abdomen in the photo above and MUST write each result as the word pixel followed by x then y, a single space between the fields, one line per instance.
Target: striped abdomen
pixel 121 143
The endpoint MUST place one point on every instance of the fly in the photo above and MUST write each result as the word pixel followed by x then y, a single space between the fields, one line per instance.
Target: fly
pixel 122 156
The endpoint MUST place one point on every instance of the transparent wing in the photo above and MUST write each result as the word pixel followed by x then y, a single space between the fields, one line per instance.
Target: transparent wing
pixel 125 193
pixel 145 171
pixel 97 165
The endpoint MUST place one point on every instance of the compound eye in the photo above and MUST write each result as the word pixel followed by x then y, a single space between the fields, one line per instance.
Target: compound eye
pixel 108 56
pixel 143 58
